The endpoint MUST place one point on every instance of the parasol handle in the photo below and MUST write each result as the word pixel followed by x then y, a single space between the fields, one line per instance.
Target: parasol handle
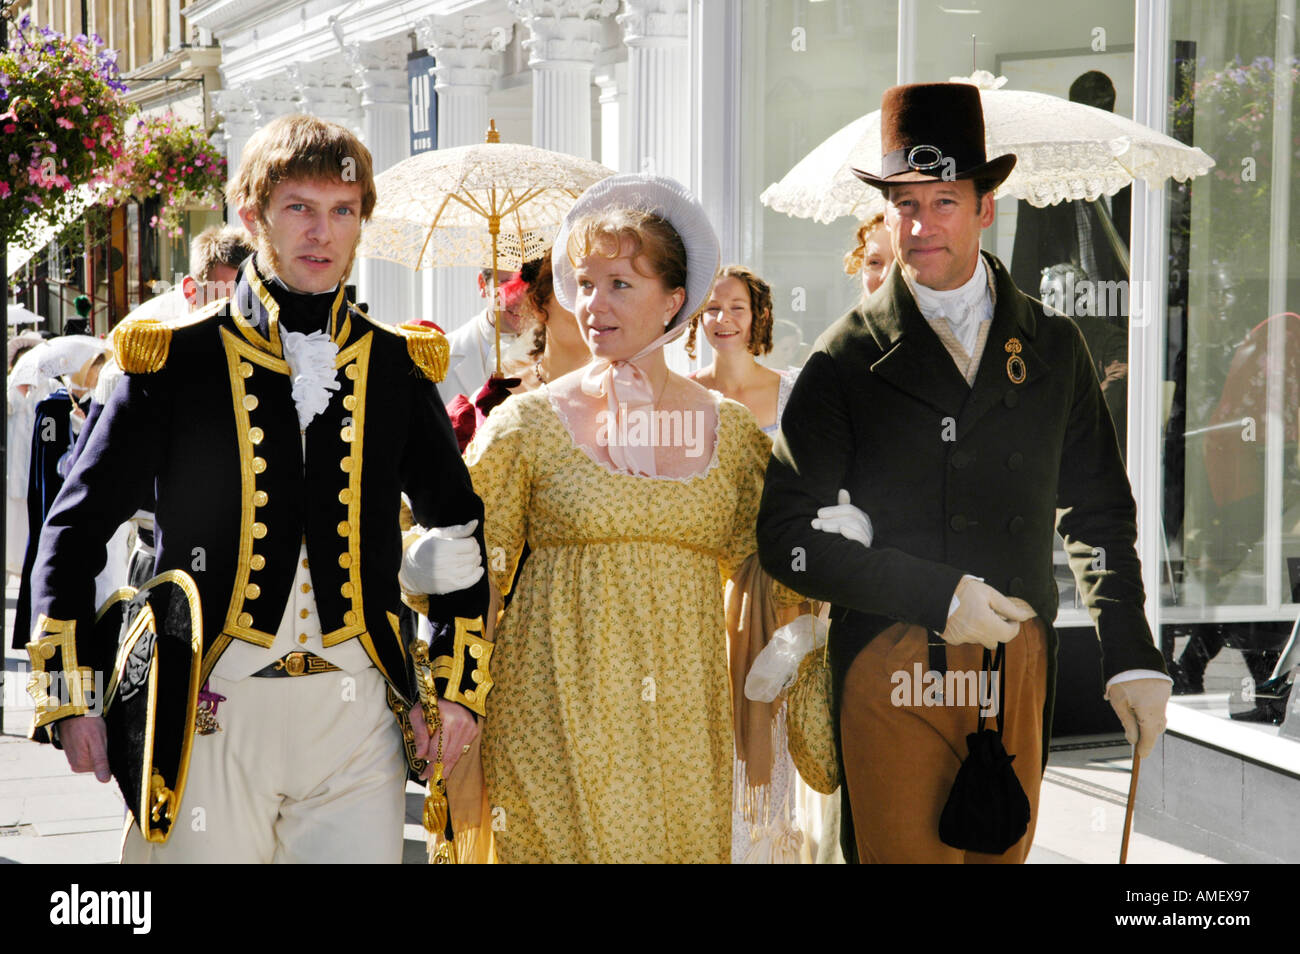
pixel 494 228
pixel 1112 234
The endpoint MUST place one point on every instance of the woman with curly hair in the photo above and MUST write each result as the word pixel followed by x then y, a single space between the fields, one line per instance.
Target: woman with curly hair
pixel 872 256
pixel 557 344
pixel 738 324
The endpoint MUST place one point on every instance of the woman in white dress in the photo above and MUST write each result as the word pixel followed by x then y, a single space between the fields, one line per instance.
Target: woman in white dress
pixel 737 321
pixel 738 324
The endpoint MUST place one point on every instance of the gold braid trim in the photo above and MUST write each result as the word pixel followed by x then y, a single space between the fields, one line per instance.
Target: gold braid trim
pixel 428 349
pixel 141 345
pixel 469 656
pixel 69 690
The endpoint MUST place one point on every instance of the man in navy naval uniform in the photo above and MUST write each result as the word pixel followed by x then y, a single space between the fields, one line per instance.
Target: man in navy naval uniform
pixel 279 431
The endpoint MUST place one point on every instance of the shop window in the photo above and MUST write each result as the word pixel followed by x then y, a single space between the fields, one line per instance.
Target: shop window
pixel 1231 520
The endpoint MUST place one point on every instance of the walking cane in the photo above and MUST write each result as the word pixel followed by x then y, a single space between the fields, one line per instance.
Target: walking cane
pixel 1128 812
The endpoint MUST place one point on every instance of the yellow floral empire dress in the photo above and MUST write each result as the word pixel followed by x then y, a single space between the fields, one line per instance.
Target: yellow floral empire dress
pixel 608 736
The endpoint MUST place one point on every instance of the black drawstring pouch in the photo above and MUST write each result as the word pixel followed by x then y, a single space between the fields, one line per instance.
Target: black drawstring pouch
pixel 987 810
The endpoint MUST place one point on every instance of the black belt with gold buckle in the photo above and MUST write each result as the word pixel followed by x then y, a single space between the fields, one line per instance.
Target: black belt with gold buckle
pixel 296 664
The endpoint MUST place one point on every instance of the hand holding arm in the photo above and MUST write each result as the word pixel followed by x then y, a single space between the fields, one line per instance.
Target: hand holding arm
pixel 442 560
pixel 845 519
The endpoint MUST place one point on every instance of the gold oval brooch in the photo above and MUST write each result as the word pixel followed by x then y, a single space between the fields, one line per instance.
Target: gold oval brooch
pixel 1015 364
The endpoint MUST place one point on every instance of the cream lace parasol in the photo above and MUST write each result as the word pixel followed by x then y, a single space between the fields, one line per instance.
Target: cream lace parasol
pixel 438 208
pixel 1064 150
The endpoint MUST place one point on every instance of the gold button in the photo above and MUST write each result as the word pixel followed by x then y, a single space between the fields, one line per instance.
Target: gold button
pixel 350 617
pixel 250 402
pixel 245 620
pixel 345 465
pixel 347 434
pixel 255 435
pixel 252 591
pixel 352 372
pixel 345 560
pixel 304 564
pixel 346 590
pixel 306 587
pixel 476 676
pixel 476 651
pixel 343 528
pixel 302 637
pixel 257 561
pixel 259 465
pixel 259 531
pixel 259 499
pixel 345 496
pixel 303 614
pixel 470 694
pixel 350 402
pixel 245 369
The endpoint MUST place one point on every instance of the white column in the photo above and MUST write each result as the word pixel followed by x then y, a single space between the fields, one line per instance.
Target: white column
pixel 1148 307
pixel 378 70
pixel 564 38
pixel 320 88
pixel 270 97
pixel 659 77
pixel 237 125
pixel 468 52
pixel 615 131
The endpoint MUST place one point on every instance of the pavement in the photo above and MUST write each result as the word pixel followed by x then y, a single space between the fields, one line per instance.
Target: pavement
pixel 50 815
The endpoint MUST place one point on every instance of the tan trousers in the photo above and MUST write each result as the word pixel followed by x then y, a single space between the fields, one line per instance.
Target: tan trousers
pixel 900 758
pixel 307 769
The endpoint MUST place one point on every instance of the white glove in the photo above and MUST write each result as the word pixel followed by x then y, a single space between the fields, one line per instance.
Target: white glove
pixel 1140 705
pixel 442 560
pixel 775 668
pixel 846 520
pixel 984 616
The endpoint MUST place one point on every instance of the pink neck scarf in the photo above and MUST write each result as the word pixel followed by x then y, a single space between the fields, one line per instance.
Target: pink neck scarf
pixel 630 396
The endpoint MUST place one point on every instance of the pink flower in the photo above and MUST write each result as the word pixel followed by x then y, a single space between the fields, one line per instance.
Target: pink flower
pixel 11 128
pixel 4 190
pixel 66 123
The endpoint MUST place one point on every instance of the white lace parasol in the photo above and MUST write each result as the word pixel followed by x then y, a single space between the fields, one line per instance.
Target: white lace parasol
pixel 437 208
pixel 1064 151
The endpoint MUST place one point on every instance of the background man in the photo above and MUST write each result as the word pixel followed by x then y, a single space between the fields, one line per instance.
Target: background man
pixel 959 417
pixel 281 429
pixel 473 345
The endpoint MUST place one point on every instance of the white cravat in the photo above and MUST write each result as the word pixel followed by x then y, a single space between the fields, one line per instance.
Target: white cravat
pixel 311 370
pixel 965 307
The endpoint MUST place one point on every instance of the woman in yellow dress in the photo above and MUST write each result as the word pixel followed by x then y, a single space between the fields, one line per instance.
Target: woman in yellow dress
pixel 609 734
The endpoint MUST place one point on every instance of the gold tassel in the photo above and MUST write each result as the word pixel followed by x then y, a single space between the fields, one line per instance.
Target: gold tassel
pixel 428 349
pixel 141 345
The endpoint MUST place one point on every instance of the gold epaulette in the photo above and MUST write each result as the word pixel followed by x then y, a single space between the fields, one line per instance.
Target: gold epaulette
pixel 428 349
pixel 141 345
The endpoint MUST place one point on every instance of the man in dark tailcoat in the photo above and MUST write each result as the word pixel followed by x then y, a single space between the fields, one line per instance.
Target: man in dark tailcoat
pixel 275 434
pixel 967 423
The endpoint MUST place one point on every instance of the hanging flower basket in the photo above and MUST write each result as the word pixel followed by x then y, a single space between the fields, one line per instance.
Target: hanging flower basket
pixel 174 161
pixel 62 114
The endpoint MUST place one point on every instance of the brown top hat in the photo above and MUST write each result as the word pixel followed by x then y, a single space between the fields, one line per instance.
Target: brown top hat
pixel 933 131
